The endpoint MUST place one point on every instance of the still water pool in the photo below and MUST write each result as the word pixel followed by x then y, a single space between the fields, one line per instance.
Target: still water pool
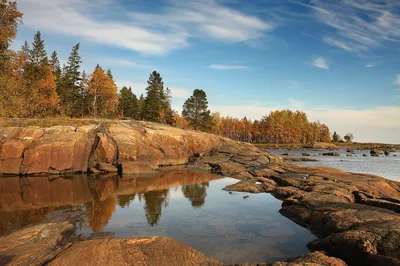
pixel 190 207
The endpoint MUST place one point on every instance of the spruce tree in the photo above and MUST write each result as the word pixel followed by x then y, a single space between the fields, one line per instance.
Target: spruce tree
pixel 25 50
pixel 55 65
pixel 141 104
pixel 69 87
pixel 128 104
pixel 109 74
pixel 155 98
pixel 195 110
pixel 38 55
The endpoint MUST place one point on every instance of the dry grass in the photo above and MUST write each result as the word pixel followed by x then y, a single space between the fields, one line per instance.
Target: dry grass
pixel 49 122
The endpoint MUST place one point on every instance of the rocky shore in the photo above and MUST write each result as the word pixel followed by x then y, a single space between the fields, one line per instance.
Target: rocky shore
pixel 355 216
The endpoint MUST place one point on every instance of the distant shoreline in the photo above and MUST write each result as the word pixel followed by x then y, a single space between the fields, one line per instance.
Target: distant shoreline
pixel 339 145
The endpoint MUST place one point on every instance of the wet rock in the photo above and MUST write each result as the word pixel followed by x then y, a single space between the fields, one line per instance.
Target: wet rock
pixel 299 159
pixel 331 154
pixel 246 197
pixel 250 186
pixel 285 154
pixel 305 154
pixel 311 259
pixel 133 251
pixel 350 150
pixel 377 152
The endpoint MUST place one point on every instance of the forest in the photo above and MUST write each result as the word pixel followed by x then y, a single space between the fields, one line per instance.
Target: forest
pixel 34 85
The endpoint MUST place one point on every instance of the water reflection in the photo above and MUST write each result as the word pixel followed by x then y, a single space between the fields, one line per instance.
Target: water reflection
pixel 28 200
pixel 196 193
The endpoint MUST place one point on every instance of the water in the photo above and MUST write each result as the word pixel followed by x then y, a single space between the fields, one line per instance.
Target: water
pixel 385 166
pixel 190 207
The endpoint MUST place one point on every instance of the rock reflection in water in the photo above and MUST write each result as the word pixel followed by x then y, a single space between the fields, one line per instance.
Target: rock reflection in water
pixel 28 200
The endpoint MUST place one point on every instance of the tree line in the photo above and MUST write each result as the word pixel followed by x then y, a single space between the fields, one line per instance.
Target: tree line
pixel 34 85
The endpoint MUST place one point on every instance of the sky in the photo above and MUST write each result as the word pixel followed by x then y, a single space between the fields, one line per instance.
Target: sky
pixel 337 60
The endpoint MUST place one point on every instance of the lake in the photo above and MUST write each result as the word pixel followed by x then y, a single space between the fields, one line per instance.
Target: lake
pixel 385 166
pixel 188 206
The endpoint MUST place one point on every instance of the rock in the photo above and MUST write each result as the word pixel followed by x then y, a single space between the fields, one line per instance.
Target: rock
pixel 349 155
pixel 311 259
pixel 250 186
pixel 323 145
pixel 350 150
pixel 106 167
pixel 331 154
pixel 377 152
pixel 305 154
pixel 365 155
pixel 132 251
pixel 387 153
pixel 285 154
pixel 299 159
pixel 35 245
pixel 246 197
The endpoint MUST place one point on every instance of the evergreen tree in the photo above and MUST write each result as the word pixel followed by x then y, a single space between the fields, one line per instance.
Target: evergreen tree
pixel 155 99
pixel 141 104
pixel 69 85
pixel 335 137
pixel 109 74
pixel 195 110
pixel 55 65
pixel 128 104
pixel 38 54
pixel 25 50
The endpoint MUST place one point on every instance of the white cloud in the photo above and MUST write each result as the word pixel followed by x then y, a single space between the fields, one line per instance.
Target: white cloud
pixel 320 62
pixel 380 124
pixel 179 93
pixel 371 65
pixel 397 81
pixel 123 62
pixel 228 67
pixel 359 25
pixel 151 34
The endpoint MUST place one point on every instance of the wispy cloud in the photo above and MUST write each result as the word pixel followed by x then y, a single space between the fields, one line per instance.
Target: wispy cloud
pixel 320 62
pixel 397 81
pixel 359 25
pixel 371 65
pixel 123 62
pixel 151 34
pixel 227 67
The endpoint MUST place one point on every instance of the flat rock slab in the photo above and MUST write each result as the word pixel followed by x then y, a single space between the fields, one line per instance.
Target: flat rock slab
pixel 133 251
pixel 34 245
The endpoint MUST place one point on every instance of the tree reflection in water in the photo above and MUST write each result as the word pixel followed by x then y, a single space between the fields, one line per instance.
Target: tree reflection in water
pixel 30 200
pixel 196 193
pixel 154 202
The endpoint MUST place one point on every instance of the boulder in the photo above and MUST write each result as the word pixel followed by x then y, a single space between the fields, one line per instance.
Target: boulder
pixel 377 152
pixel 323 145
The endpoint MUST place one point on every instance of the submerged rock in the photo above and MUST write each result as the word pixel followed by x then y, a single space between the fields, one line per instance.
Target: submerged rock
pixel 377 152
pixel 331 154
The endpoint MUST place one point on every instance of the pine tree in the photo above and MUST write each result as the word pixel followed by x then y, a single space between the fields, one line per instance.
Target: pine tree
pixel 109 74
pixel 141 104
pixel 154 102
pixel 25 50
pixel 128 104
pixel 69 85
pixel 195 110
pixel 55 65
pixel 335 137
pixel 38 54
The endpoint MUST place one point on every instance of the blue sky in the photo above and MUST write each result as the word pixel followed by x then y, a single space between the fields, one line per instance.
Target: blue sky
pixel 338 60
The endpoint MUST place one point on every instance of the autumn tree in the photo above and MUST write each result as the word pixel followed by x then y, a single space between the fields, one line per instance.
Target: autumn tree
pixel 141 105
pixel 10 18
pixel 128 103
pixel 103 91
pixel 195 110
